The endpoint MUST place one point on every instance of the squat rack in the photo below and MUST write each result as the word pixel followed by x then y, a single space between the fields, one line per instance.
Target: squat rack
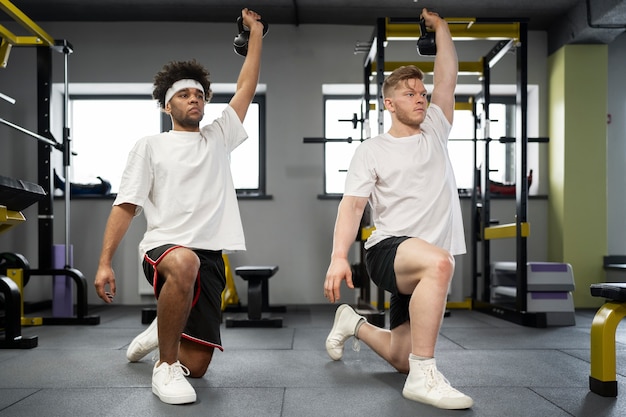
pixel 483 230
pixel 45 44
pixel 511 36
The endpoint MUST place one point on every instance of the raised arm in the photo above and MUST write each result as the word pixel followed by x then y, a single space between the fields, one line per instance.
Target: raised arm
pixel 249 74
pixel 446 64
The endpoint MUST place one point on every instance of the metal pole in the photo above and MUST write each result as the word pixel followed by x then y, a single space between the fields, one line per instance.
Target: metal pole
pixel 44 175
pixel 484 184
pixel 67 155
pixel 521 150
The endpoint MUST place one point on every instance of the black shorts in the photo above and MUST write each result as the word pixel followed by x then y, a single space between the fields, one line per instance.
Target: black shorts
pixel 379 261
pixel 205 317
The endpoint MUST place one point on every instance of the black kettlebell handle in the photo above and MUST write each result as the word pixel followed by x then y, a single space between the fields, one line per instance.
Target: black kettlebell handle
pixel 426 45
pixel 240 25
pixel 244 28
pixel 241 41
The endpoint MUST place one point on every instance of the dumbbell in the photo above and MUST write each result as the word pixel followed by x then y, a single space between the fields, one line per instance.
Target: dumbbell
pixel 426 43
pixel 241 41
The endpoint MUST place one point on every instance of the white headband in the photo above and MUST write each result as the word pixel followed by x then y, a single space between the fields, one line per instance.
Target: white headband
pixel 181 85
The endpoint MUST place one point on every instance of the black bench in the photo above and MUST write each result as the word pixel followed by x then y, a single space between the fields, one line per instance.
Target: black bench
pixel 258 298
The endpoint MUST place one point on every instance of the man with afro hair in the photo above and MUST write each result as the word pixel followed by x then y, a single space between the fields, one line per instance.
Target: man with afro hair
pixel 181 180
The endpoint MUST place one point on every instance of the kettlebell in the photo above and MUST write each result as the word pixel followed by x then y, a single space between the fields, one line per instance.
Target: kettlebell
pixel 426 43
pixel 241 41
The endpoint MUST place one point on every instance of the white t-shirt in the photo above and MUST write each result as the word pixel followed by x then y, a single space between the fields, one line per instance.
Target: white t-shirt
pixel 183 182
pixel 410 185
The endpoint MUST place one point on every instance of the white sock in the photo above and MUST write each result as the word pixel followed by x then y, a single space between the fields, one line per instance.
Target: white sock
pixel 358 326
pixel 418 358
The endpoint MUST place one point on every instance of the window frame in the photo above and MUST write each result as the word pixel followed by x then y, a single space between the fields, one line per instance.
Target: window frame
pixel 509 149
pixel 96 91
pixel 325 98
pixel 259 192
pixel 509 159
pixel 103 96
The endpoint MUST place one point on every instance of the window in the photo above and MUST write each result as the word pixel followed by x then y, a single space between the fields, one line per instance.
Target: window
pixel 247 161
pixel 102 143
pixel 340 110
pixel 502 125
pixel 337 114
pixel 343 120
pixel 502 155
pixel 104 126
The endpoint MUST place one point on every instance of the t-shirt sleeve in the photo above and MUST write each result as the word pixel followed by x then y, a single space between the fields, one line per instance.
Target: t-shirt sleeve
pixel 229 127
pixel 436 123
pixel 136 178
pixel 361 174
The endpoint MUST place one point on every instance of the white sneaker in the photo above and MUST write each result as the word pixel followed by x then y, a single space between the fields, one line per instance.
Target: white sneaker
pixel 346 322
pixel 427 385
pixel 144 343
pixel 170 385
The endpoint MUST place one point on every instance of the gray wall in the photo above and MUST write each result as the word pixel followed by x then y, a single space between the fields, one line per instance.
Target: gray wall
pixel 292 230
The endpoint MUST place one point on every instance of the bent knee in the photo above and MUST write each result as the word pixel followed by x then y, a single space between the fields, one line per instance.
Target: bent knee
pixel 181 265
pixel 197 370
pixel 197 366
pixel 187 262
pixel 444 265
pixel 399 359
pixel 401 364
pixel 195 357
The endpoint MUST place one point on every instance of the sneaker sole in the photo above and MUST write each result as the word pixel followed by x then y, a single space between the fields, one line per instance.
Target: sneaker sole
pixel 329 348
pixel 452 403
pixel 136 346
pixel 181 399
pixel 136 357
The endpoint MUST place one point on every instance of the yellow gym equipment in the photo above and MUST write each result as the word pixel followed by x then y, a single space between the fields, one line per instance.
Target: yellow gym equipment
pixel 15 196
pixel 229 295
pixel 603 378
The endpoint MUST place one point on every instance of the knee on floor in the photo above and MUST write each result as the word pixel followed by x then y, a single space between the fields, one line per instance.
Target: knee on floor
pixel 195 357
pixel 197 370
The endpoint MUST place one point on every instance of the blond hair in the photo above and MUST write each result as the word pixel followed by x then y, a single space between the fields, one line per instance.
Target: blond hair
pixel 401 74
